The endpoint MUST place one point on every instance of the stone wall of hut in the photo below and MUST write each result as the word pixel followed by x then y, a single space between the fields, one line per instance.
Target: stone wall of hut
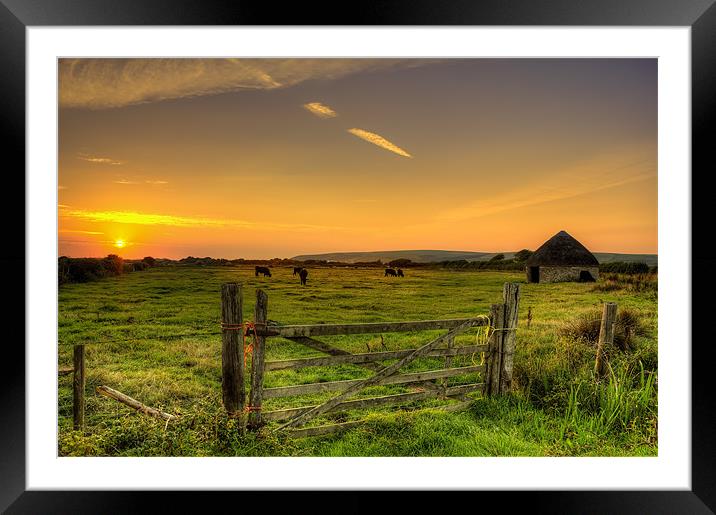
pixel 556 274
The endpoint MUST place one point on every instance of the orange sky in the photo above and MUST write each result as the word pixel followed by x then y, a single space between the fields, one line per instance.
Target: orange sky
pixel 274 158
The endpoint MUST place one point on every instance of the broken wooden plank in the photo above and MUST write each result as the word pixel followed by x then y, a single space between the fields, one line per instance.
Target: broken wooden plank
pixel 133 403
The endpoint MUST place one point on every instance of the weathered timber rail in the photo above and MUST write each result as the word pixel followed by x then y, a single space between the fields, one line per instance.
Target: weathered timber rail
pixel 494 367
pixel 369 357
pixel 293 331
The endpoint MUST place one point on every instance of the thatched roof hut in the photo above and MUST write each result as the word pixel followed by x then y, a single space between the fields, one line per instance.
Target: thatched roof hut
pixel 561 258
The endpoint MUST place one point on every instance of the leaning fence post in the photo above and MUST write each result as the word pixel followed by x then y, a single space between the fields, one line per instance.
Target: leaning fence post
pixel 78 388
pixel 511 298
pixel 257 361
pixel 494 349
pixel 232 350
pixel 606 335
pixel 448 364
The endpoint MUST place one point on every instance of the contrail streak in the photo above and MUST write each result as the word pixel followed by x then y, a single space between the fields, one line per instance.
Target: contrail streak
pixel 376 139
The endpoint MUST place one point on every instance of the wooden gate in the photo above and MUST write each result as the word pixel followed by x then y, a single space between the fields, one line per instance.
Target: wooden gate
pixel 495 367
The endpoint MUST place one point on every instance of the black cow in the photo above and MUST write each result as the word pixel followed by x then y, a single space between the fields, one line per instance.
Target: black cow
pixel 263 270
pixel 303 274
pixel 391 272
pixel 297 269
pixel 400 273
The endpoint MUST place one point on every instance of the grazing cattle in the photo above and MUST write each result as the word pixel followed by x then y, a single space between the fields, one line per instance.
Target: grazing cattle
pixel 297 269
pixel 303 274
pixel 391 272
pixel 400 273
pixel 263 270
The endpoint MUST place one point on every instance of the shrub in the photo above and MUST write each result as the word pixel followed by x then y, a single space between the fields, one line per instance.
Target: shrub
pixel 522 255
pixel 377 263
pixel 63 269
pixel 492 264
pixel 149 261
pixel 497 257
pixel 135 266
pixel 400 263
pixel 113 264
pixel 621 267
pixel 81 270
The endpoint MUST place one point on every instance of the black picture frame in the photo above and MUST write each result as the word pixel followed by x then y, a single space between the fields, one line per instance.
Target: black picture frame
pixel 17 15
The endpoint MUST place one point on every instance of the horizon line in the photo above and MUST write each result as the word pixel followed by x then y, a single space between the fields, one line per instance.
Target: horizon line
pixel 348 252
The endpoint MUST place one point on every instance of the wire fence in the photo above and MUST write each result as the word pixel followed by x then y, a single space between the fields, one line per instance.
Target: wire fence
pixel 135 338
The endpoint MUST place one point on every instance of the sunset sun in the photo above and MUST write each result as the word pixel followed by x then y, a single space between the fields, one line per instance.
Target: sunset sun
pixel 120 244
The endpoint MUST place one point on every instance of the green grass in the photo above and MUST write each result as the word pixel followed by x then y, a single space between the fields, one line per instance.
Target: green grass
pixel 154 335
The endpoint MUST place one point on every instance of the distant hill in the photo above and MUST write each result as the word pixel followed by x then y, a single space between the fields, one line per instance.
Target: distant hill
pixel 610 257
pixel 432 256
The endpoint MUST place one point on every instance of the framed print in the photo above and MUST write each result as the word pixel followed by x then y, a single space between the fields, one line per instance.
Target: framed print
pixel 423 249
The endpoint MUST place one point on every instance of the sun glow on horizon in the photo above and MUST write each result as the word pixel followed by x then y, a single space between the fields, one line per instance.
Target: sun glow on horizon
pixel 120 244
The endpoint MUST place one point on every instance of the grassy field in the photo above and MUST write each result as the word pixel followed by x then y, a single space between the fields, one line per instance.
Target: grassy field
pixel 155 336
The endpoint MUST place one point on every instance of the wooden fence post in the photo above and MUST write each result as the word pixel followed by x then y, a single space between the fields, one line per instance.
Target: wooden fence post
pixel 78 388
pixel 494 353
pixel 606 336
pixel 448 364
pixel 511 298
pixel 232 349
pixel 257 362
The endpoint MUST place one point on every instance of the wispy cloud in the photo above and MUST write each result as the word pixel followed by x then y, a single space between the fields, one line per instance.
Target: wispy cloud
pixel 132 217
pixel 109 83
pixel 136 218
pixel 379 140
pixel 556 188
pixel 320 110
pixel 79 232
pixel 99 160
pixel 129 181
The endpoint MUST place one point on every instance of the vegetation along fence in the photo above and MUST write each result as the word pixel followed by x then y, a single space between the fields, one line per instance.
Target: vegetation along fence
pixel 495 367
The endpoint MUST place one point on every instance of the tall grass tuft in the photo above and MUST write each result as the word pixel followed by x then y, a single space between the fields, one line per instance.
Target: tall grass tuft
pixel 586 328
pixel 625 401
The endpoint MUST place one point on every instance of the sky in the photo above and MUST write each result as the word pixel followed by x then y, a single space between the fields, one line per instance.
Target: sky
pixel 264 158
